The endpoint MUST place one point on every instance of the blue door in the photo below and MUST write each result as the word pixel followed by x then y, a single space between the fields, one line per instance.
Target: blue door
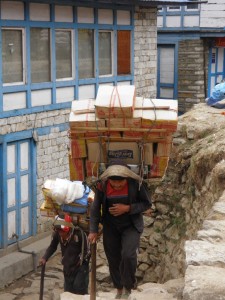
pixel 216 67
pixel 18 203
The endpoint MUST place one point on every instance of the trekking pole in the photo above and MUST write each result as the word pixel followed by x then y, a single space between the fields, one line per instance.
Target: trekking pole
pixel 93 272
pixel 42 282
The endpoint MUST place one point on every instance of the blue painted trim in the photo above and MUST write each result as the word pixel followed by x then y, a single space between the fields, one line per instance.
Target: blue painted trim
pixel 4 208
pixel 1 195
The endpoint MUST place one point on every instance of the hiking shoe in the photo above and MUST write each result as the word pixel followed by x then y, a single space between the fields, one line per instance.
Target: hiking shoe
pixel 118 296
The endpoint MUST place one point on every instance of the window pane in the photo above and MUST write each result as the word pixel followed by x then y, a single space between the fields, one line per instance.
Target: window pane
pixel 40 54
pixel 123 52
pixel 86 53
pixel 105 53
pixel 63 54
pixel 12 56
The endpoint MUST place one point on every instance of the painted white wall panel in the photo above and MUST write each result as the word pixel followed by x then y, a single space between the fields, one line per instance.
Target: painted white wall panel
pixel 123 83
pixel 63 13
pixel 24 154
pixel 42 97
pixel 86 92
pixel 11 223
pixel 64 94
pixel 220 59
pixel 123 17
pixel 12 10
pixel 85 15
pixel 14 101
pixel 39 12
pixel 24 220
pixel 24 188
pixel 173 21
pixel 11 189
pixel 159 21
pixel 105 16
pixel 11 159
pixel 191 21
pixel 166 93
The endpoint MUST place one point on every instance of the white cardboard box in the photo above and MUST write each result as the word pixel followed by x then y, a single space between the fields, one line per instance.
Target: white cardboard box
pixel 115 101
pixel 147 103
pixel 85 120
pixel 83 106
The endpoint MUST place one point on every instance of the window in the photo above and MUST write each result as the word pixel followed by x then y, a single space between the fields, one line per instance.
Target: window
pixel 123 52
pixel 192 6
pixel 63 41
pixel 105 53
pixel 40 54
pixel 12 56
pixel 173 8
pixel 86 53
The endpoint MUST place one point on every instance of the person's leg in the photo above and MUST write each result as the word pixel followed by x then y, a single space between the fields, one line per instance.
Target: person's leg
pixel 128 266
pixel 68 284
pixel 112 247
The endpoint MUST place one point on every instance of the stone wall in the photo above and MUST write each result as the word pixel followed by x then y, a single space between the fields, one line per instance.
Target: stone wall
pixel 145 51
pixel 191 65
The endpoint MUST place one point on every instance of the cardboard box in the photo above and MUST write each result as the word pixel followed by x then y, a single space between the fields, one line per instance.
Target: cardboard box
pixel 126 151
pixel 160 119
pixel 134 122
pixel 115 101
pixel 85 120
pixel 47 212
pixel 159 166
pixel 83 106
pixel 96 152
pixel 77 171
pixel 91 168
pixel 78 148
pixel 148 154
pixel 163 149
pixel 147 103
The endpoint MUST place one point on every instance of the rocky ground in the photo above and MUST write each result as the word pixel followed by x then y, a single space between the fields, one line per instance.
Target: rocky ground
pixel 28 287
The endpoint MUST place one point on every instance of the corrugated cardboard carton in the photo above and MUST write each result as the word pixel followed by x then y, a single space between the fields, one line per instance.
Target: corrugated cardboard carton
pixel 147 103
pixel 83 106
pixel 115 101
pixel 85 120
pixel 78 148
pixel 160 119
pixel 134 122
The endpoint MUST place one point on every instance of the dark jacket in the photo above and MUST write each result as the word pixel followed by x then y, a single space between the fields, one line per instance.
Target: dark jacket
pixel 139 202
pixel 70 251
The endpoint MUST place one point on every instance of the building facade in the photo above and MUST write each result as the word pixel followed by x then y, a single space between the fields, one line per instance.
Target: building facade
pixel 191 41
pixel 54 52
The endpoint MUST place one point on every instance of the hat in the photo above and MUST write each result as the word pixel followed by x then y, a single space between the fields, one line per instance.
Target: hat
pixel 63 224
pixel 119 171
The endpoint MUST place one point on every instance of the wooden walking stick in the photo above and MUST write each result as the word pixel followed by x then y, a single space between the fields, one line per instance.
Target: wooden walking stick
pixel 93 272
pixel 42 282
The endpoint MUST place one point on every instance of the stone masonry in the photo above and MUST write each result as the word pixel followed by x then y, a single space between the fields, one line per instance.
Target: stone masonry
pixel 145 52
pixel 192 81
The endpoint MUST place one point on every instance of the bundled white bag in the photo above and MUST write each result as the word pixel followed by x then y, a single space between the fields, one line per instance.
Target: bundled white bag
pixel 63 191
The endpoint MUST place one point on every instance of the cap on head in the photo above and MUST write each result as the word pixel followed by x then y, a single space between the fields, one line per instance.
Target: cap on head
pixel 59 223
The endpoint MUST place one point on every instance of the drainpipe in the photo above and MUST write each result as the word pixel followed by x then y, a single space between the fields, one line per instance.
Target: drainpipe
pixel 34 254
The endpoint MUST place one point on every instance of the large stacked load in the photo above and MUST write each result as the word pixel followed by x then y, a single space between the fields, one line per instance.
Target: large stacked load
pixel 119 125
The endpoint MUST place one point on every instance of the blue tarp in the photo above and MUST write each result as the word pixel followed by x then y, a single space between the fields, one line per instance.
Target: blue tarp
pixel 217 95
